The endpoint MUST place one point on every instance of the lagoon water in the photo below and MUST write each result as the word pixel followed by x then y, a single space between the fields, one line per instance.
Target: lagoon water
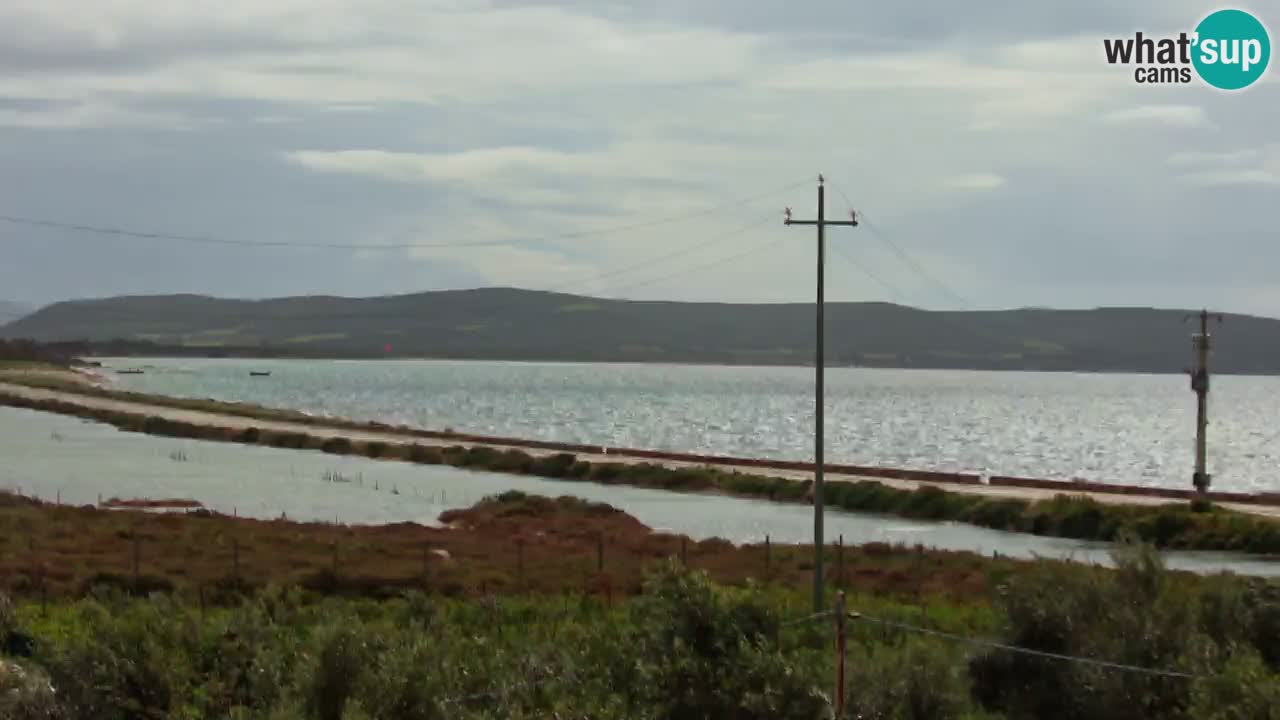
pixel 53 456
pixel 1130 429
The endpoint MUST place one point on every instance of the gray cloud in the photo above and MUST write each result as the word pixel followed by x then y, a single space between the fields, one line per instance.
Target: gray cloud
pixel 991 141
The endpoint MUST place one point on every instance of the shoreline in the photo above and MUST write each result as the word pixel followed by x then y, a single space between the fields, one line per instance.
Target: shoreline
pixel 92 384
pixel 1058 512
pixel 671 363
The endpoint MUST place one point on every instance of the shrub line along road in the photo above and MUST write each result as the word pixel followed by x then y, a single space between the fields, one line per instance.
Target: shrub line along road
pixel 393 436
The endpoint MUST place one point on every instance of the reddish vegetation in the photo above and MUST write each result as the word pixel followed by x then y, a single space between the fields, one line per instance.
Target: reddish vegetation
pixel 140 503
pixel 515 544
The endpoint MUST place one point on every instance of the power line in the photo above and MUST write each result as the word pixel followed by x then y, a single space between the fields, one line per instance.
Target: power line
pixel 716 262
pixel 848 257
pixel 904 257
pixel 112 313
pixel 657 259
pixel 211 240
pixel 992 644
pixel 806 619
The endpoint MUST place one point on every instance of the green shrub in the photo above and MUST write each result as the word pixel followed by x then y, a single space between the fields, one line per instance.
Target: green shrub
pixel 480 456
pixel 511 461
pixel 997 514
pixel 1242 690
pixel 705 652
pixel 1135 615
pixel 25 693
pixel 553 466
pixel 607 472
pixel 920 679
pixel 337 446
pixel 343 656
pixel 131 665
pixel 425 455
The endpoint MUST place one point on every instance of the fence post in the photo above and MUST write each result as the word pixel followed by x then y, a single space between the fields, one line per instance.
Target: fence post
pixel 840 562
pixel 334 568
pixel 840 613
pixel 768 560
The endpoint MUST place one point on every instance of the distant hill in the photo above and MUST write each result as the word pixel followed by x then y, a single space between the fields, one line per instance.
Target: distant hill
pixel 502 323
pixel 11 311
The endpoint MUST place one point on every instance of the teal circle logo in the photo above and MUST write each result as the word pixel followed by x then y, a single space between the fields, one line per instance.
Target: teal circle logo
pixel 1232 49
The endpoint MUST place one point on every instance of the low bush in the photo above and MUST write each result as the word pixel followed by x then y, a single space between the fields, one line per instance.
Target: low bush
pixel 337 446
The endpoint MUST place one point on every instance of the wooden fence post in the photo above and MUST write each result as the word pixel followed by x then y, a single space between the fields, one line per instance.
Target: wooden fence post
pixel 840 563
pixel 768 559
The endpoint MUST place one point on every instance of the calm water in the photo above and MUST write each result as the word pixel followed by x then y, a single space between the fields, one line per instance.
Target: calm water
pixel 51 455
pixel 1131 429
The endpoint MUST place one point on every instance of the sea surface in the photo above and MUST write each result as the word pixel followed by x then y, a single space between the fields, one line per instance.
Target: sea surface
pixel 1122 428
pixel 54 457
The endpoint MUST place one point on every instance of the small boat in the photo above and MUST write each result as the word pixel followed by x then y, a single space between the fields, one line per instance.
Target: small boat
pixel 130 371
pixel 259 373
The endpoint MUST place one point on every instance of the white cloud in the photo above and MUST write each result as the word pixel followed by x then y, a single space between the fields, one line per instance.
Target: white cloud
pixel 1145 116
pixel 975 181
pixel 1219 178
pixel 1251 166
pixel 561 119
pixel 1192 158
pixel 94 113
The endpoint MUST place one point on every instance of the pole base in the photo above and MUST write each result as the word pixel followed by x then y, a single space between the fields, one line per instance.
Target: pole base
pixel 1201 481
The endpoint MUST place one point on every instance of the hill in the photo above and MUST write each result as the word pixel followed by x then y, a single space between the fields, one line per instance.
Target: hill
pixel 11 311
pixel 504 323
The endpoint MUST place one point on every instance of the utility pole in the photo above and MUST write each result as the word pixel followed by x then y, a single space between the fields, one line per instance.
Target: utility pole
pixel 819 362
pixel 1200 386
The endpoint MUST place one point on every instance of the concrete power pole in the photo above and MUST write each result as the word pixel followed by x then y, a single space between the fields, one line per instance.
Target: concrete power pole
pixel 1200 386
pixel 818 364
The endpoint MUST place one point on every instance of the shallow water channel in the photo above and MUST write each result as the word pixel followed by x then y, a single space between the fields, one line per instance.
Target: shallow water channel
pixel 50 456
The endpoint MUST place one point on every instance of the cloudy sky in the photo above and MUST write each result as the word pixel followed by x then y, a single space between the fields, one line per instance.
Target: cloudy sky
pixel 629 149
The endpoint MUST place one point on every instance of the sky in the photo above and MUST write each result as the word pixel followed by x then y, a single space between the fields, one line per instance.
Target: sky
pixel 630 149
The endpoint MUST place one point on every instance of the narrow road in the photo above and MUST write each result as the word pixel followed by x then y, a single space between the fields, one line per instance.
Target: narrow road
pixel 393 436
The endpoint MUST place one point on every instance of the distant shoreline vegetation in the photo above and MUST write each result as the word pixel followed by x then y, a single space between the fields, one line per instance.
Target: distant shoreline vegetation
pixel 1173 526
